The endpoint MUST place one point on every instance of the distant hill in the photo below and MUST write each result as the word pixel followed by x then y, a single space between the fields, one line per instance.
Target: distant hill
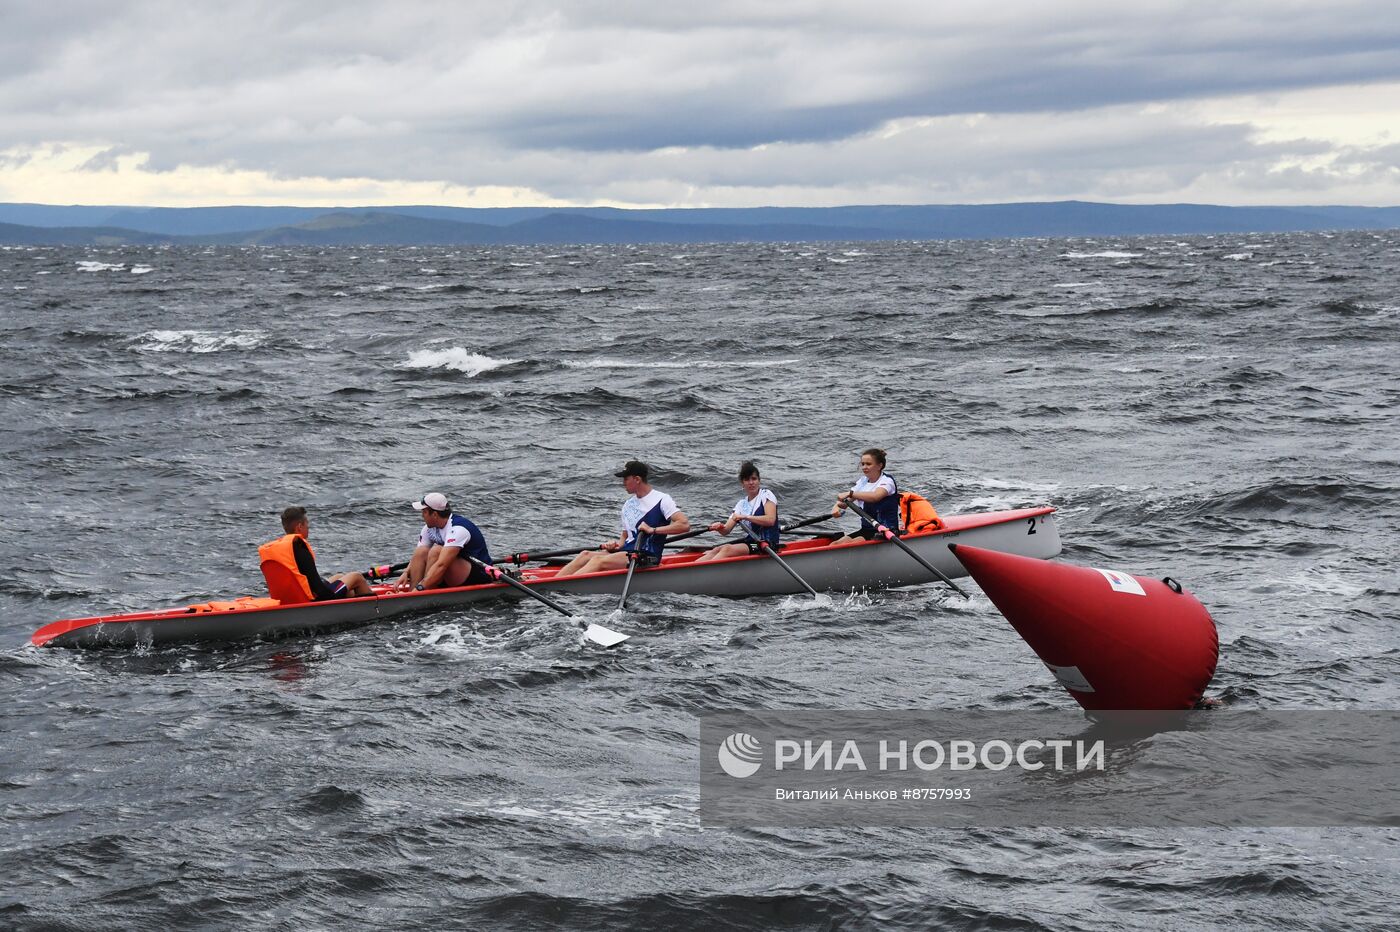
pixel 13 234
pixel 427 225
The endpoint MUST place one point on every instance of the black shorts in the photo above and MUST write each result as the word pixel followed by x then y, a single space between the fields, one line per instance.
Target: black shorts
pixel 866 532
pixel 338 591
pixel 477 576
pixel 645 559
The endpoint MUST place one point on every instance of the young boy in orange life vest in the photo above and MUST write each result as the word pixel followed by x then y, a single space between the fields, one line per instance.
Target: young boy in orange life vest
pixel 289 565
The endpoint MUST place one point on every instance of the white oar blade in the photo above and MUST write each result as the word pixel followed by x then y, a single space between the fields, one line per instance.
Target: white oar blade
pixel 604 637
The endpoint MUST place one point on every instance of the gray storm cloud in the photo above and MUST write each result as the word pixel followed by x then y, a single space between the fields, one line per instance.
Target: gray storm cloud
pixel 578 99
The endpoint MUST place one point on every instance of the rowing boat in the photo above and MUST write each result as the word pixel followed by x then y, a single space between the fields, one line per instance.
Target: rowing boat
pixel 879 564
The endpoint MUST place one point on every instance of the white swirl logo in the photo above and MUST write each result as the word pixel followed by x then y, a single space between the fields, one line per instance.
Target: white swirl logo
pixel 740 755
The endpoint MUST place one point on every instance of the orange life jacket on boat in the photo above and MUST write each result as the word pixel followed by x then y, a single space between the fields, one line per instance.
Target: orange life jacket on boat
pixel 233 605
pixel 285 582
pixel 917 514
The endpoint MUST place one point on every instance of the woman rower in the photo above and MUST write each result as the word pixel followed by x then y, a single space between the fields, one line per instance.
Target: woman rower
pixel 758 510
pixel 876 493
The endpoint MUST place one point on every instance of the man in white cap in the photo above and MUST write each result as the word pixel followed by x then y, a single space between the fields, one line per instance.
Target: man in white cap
pixel 440 559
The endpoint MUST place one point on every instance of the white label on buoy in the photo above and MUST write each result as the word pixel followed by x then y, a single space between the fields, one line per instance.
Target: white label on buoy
pixel 1121 582
pixel 1071 678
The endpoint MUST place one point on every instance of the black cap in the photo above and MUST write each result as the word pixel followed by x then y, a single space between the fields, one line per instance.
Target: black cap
pixel 634 468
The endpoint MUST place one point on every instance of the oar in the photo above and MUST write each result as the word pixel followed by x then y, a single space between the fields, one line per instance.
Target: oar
pixel 593 632
pixel 893 538
pixel 806 521
pixel 763 545
pixel 527 556
pixel 384 571
pixel 631 568
pixel 686 536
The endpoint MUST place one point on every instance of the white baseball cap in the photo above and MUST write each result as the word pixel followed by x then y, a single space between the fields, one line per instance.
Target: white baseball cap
pixel 434 500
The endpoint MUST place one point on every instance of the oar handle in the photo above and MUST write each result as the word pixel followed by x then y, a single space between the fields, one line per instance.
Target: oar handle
pixel 893 538
pixel 384 571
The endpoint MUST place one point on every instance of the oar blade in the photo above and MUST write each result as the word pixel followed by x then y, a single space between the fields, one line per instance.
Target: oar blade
pixel 603 637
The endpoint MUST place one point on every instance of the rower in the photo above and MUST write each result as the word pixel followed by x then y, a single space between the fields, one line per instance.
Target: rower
pixel 648 516
pixel 444 543
pixel 875 492
pixel 289 566
pixel 758 510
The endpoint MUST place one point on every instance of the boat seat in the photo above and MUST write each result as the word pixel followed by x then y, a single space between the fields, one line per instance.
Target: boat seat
pixel 282 585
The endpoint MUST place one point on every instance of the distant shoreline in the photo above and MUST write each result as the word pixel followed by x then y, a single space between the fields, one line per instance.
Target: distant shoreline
pixel 41 224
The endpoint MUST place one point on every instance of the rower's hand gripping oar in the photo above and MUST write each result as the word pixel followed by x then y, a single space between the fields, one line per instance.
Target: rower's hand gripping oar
pixel 632 556
pixel 763 545
pixel 893 538
pixel 605 637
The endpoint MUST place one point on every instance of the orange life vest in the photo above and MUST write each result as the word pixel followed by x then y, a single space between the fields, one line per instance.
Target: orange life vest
pixel 285 583
pixel 917 514
pixel 234 605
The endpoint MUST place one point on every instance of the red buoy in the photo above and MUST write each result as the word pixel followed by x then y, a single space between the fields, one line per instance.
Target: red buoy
pixel 1114 640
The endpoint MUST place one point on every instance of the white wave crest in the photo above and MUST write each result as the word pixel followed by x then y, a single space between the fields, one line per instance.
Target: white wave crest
pixel 452 639
pixel 198 341
pixel 1016 485
pixel 89 266
pixel 142 269
pixel 1106 254
pixel 608 363
pixel 457 359
pixel 805 603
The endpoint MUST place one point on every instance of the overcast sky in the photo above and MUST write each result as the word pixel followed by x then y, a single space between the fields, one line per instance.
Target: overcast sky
pixel 713 104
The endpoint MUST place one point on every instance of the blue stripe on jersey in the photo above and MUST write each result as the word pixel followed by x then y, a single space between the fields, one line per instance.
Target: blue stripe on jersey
pixel 769 534
pixel 885 511
pixel 476 545
pixel 654 542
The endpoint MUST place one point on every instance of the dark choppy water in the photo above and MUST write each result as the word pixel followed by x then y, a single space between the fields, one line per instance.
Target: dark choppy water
pixel 1222 409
